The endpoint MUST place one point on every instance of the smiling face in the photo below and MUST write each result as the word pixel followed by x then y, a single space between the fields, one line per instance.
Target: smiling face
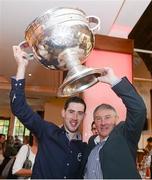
pixel 73 116
pixel 105 121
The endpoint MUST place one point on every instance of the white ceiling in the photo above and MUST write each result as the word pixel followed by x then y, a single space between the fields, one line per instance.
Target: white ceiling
pixel 118 17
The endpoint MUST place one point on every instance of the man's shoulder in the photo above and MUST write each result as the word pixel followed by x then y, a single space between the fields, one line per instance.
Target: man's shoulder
pixel 91 139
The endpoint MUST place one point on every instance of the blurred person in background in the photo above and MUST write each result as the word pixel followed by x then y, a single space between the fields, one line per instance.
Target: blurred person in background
pixel 26 151
pixel 2 142
pixel 9 151
pixel 94 129
pixel 17 143
pixel 147 159
pixel 26 139
pixel 148 147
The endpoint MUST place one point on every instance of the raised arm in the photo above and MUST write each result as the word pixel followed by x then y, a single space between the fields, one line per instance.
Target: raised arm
pixel 18 103
pixel 136 110
pixel 22 62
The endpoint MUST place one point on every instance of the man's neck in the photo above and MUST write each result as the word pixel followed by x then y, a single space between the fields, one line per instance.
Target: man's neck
pixel 73 135
pixel 98 139
pixel 103 138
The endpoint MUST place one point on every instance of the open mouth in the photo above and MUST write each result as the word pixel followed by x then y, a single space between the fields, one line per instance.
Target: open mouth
pixel 73 123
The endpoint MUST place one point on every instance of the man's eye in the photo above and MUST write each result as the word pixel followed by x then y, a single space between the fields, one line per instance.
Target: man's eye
pixel 98 118
pixel 107 117
pixel 81 113
pixel 70 111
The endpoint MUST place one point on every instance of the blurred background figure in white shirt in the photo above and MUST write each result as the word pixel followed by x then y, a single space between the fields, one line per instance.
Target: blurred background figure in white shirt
pixel 27 149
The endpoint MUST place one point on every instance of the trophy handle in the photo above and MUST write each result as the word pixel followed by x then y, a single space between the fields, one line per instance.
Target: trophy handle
pixel 94 20
pixel 26 48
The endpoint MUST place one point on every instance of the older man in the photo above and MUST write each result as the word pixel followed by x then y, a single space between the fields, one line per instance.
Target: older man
pixel 112 154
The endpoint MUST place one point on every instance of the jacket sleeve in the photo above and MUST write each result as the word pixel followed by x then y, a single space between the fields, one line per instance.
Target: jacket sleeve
pixel 22 110
pixel 136 110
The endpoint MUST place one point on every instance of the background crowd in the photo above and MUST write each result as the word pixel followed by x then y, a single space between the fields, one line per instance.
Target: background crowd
pixel 13 154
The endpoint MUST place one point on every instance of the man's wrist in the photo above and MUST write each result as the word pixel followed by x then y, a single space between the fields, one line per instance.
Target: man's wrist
pixel 115 81
pixel 20 72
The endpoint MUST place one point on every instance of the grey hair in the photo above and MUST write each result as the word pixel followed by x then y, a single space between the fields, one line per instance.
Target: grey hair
pixel 104 107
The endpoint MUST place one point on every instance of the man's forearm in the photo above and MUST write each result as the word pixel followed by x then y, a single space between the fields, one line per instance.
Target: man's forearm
pixel 20 72
pixel 135 106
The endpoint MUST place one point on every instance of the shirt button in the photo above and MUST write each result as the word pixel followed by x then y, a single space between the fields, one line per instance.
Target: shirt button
pixel 71 152
pixel 68 164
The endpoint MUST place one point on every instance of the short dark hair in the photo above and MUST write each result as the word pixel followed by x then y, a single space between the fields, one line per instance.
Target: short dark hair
pixel 2 135
pixel 103 107
pixel 74 99
pixel 149 139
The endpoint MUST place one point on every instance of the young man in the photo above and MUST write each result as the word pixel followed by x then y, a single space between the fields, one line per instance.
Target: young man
pixel 112 154
pixel 60 150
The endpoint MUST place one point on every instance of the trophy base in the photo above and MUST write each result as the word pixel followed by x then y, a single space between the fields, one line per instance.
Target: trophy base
pixel 78 81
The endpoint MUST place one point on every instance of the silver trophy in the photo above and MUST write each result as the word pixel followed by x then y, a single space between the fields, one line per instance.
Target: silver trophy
pixel 61 39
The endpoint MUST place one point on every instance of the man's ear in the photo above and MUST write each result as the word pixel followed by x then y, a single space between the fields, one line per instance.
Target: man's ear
pixel 84 115
pixel 63 113
pixel 117 119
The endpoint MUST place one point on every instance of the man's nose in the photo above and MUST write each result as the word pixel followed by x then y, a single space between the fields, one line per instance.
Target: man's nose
pixel 102 121
pixel 75 115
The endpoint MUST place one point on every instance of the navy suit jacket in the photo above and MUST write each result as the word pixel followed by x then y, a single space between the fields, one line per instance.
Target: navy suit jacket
pixel 57 157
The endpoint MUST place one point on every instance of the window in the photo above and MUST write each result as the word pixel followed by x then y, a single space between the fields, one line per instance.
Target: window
pixel 4 125
pixel 19 129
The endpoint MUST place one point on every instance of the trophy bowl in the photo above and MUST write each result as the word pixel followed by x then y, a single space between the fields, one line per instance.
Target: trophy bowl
pixel 61 39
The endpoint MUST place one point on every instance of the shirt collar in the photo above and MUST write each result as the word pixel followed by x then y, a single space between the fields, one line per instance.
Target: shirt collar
pixel 97 139
pixel 77 135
